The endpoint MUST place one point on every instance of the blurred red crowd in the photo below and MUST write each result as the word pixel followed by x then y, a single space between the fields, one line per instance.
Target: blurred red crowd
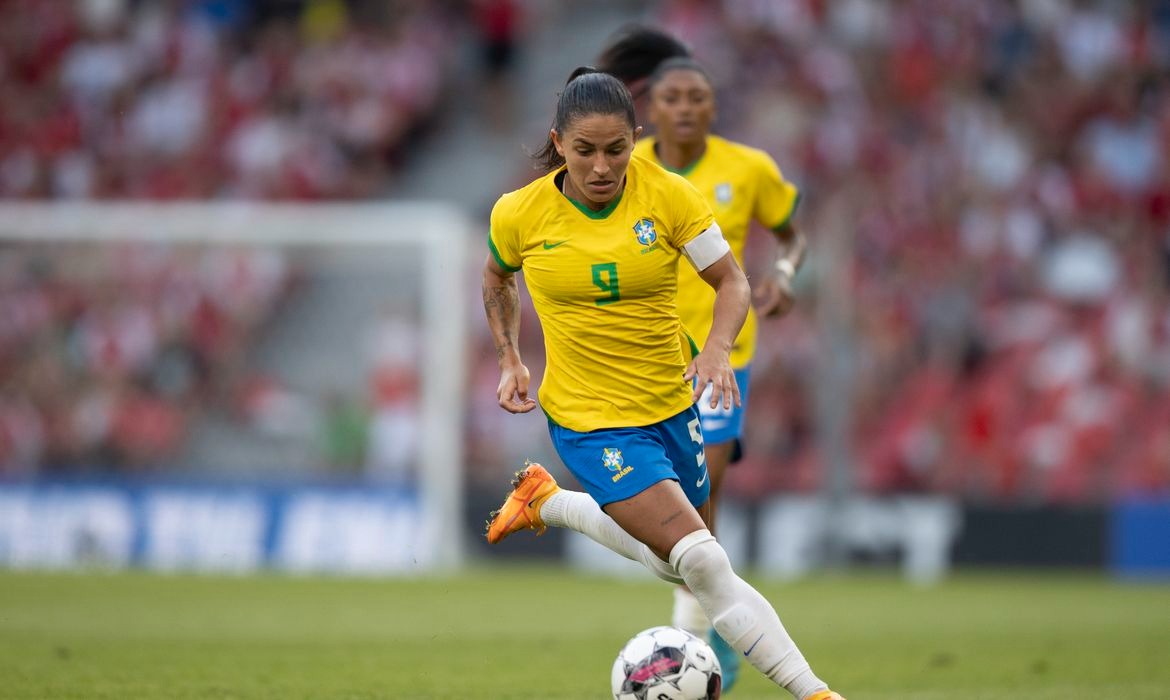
pixel 108 353
pixel 190 100
pixel 987 184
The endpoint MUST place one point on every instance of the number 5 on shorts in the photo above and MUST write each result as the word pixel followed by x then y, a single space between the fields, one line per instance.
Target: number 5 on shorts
pixel 697 437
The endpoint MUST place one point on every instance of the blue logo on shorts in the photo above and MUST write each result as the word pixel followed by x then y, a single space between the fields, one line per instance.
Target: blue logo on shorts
pixel 645 231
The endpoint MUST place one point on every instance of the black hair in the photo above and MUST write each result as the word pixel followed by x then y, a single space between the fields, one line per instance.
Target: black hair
pixel 635 50
pixel 678 63
pixel 588 91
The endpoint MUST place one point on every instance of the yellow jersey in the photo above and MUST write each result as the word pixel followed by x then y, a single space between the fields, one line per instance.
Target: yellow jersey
pixel 740 183
pixel 604 286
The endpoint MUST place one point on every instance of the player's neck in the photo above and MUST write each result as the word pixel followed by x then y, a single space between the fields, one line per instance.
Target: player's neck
pixel 570 191
pixel 679 156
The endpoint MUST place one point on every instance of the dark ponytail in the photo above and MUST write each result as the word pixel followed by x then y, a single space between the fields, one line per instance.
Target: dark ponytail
pixel 588 91
pixel 636 50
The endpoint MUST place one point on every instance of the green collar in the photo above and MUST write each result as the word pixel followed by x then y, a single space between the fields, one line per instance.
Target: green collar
pixel 597 214
pixel 686 169
pixel 591 213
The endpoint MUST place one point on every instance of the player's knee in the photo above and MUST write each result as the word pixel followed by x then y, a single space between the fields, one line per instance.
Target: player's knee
pixel 700 560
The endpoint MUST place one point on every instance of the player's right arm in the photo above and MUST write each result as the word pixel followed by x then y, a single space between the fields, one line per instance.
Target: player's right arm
pixel 501 303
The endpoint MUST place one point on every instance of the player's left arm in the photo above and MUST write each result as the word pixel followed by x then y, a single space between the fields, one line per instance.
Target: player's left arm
pixel 776 203
pixel 716 264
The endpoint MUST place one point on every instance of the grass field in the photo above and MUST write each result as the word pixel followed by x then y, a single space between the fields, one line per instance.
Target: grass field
pixel 543 633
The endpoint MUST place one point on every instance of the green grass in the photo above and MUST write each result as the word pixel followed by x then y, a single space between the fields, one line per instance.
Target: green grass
pixel 543 633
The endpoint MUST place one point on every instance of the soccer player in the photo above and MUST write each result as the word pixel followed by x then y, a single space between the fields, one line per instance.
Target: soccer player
pixel 741 184
pixel 599 240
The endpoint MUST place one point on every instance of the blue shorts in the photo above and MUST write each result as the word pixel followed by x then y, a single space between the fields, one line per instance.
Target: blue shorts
pixel 720 424
pixel 614 464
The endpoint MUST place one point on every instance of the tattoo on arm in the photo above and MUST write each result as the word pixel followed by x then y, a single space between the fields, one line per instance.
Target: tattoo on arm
pixel 502 306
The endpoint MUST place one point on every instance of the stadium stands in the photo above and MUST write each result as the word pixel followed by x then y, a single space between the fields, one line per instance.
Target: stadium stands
pixel 1003 168
pixel 107 355
pixel 171 100
pixel 1007 169
pixel 107 352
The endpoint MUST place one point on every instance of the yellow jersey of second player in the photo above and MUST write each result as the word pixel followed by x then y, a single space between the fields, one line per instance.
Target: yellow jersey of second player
pixel 740 183
pixel 604 286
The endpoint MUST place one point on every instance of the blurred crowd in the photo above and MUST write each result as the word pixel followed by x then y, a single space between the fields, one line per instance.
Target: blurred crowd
pixel 997 175
pixel 109 354
pixel 986 186
pixel 212 98
pixel 108 351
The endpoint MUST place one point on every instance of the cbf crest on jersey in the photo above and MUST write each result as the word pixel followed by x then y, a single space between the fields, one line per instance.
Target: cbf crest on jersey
pixel 644 229
pixel 723 192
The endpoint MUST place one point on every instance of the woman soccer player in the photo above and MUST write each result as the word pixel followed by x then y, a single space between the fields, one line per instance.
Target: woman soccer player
pixel 740 184
pixel 599 240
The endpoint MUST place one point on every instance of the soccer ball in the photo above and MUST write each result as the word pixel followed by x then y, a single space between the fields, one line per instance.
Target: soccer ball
pixel 666 663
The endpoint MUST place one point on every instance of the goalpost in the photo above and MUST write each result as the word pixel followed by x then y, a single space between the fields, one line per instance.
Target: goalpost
pixel 430 238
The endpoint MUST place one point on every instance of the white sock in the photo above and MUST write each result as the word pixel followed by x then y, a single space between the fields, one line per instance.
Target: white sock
pixel 688 614
pixel 743 617
pixel 578 511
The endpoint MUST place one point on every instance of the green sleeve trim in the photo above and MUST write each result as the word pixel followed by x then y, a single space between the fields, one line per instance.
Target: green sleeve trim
pixel 791 211
pixel 694 346
pixel 496 255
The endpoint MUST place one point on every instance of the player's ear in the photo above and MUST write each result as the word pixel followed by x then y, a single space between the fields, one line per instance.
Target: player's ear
pixel 556 141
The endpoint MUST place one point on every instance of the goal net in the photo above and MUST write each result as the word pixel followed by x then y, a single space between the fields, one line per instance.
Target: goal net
pixel 232 385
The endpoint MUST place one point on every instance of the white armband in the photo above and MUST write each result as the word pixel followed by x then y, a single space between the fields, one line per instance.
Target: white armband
pixel 705 249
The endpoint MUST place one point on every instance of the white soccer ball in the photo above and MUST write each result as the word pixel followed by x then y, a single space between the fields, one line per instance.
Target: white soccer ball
pixel 666 663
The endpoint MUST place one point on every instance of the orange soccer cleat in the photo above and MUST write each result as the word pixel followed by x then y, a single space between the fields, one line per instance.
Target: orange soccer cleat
pixel 825 695
pixel 521 510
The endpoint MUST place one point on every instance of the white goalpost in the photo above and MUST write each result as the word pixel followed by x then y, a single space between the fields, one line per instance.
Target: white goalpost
pixel 433 236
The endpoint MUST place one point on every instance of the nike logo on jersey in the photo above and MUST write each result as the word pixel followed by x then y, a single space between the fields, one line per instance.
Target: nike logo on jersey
pixel 550 246
pixel 701 481
pixel 753 646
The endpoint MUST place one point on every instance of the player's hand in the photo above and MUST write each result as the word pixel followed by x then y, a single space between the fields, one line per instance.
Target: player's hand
pixel 512 393
pixel 774 296
pixel 713 367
